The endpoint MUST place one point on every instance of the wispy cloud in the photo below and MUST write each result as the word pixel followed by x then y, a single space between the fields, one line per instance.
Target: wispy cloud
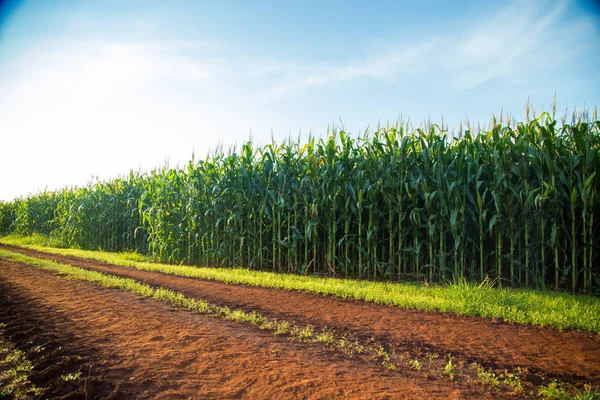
pixel 512 43
pixel 385 67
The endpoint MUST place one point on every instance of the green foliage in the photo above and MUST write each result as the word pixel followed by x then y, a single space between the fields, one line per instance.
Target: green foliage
pixel 103 215
pixel 71 377
pixel 511 379
pixel 15 370
pixel 515 202
pixel 450 368
pixel 486 377
pixel 35 214
pixel 558 391
pixel 415 364
pixel 7 217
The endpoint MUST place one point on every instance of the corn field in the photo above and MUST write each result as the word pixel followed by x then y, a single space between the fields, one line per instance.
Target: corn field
pixel 515 203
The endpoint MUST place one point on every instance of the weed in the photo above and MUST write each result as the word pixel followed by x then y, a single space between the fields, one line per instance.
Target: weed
pixel 268 325
pixel 484 376
pixel 450 368
pixel 307 333
pixel 381 353
pixel 415 364
pixel 389 365
pixel 71 377
pixel 325 337
pixel 359 348
pixel 513 380
pixel 15 369
pixel 282 328
pixel 557 391
pixel 38 349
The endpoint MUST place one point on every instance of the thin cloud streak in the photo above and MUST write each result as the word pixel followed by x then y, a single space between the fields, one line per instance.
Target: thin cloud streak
pixel 502 46
pixel 512 44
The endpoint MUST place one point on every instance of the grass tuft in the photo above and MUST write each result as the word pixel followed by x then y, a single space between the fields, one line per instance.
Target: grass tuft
pixel 559 391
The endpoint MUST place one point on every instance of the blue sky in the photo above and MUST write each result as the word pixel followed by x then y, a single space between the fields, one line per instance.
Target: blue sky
pixel 96 88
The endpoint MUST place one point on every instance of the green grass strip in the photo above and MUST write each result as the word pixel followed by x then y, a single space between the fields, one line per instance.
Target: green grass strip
pixel 524 306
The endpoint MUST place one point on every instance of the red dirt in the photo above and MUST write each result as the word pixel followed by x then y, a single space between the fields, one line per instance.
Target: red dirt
pixel 571 356
pixel 141 348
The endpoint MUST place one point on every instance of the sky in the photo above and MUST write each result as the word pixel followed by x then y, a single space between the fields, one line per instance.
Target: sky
pixel 94 89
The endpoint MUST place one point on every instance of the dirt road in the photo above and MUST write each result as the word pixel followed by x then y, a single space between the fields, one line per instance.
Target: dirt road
pixel 140 348
pixel 572 355
pixel 161 351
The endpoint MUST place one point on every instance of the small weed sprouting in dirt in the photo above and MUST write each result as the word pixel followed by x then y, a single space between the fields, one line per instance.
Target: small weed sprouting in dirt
pixel 343 344
pixel 513 380
pixel 324 337
pixel 381 353
pixel 255 318
pixel 359 347
pixel 415 364
pixel 275 352
pixel 350 347
pixel 389 365
pixel 307 333
pixel 199 306
pixel 450 368
pixel 38 349
pixel 557 391
pixel 484 376
pixel 15 369
pixel 294 331
pixel 235 315
pixel 282 328
pixel 268 325
pixel 71 377
pixel 346 346
pixel 14 357
pixel 18 377
pixel 488 377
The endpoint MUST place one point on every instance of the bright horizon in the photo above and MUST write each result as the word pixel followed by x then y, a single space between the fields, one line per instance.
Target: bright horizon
pixel 96 88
